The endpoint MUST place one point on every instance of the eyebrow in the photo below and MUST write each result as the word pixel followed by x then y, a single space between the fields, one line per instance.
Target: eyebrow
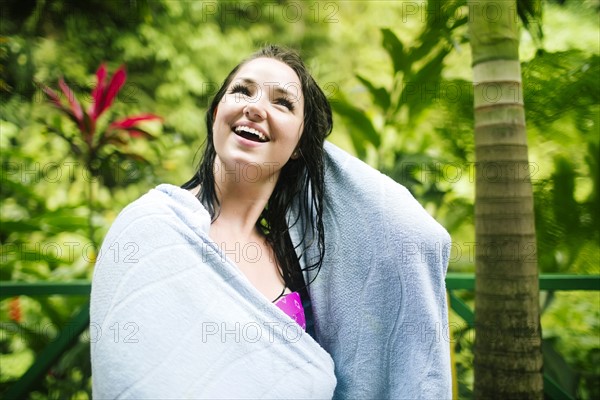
pixel 278 88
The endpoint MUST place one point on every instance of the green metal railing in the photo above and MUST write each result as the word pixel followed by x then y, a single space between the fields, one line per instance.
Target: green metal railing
pixel 553 282
pixel 64 340
pixel 77 325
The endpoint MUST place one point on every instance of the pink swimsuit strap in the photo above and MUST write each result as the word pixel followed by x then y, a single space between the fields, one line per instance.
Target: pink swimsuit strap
pixel 291 304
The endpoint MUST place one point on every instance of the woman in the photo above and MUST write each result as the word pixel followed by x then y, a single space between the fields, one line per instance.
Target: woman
pixel 201 307
pixel 266 128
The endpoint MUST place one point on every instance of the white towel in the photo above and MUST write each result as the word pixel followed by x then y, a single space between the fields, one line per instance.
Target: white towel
pixel 173 318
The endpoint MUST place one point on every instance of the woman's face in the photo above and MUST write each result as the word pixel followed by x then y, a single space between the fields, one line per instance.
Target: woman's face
pixel 259 121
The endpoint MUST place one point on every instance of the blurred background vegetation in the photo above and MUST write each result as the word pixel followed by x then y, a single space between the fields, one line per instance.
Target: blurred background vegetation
pixel 398 75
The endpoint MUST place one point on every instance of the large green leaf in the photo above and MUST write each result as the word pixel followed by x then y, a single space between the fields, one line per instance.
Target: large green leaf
pixel 421 88
pixel 558 369
pixel 442 18
pixel 7 226
pixel 566 209
pixel 395 49
pixel 530 13
pixel 379 94
pixel 358 120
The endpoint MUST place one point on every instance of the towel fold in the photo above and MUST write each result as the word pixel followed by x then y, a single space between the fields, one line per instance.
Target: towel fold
pixel 379 301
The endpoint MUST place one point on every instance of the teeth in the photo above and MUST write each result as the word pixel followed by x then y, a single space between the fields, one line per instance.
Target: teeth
pixel 253 131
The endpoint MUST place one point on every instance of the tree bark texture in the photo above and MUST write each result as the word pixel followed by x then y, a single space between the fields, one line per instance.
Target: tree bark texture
pixel 508 358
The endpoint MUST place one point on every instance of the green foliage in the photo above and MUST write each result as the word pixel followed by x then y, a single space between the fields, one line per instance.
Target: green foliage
pixel 399 81
pixel 567 198
pixel 572 329
pixel 530 13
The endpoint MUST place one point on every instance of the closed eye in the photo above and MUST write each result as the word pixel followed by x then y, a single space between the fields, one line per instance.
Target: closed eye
pixel 284 101
pixel 239 88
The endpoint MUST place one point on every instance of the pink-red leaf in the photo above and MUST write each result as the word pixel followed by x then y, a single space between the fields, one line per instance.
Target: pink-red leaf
pixel 53 96
pixel 74 103
pixel 108 94
pixel 129 122
pixel 98 90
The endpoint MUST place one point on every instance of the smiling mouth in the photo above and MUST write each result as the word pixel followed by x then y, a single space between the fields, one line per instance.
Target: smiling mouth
pixel 250 134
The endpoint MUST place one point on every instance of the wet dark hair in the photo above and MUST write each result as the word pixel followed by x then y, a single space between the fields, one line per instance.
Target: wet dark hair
pixel 301 180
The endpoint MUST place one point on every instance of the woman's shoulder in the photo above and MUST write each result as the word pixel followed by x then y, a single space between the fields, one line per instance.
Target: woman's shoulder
pixel 164 208
pixel 165 199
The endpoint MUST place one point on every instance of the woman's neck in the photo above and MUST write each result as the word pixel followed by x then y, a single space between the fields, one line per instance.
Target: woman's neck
pixel 241 202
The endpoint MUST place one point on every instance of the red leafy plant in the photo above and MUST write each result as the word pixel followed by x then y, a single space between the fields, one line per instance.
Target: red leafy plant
pixel 97 148
pixel 92 142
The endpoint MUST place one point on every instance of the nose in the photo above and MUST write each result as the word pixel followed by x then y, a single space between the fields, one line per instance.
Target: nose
pixel 255 111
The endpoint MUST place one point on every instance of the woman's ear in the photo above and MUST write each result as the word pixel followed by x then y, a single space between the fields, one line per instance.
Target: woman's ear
pixel 215 112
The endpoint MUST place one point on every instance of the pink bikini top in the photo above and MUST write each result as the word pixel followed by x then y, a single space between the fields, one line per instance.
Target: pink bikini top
pixel 291 304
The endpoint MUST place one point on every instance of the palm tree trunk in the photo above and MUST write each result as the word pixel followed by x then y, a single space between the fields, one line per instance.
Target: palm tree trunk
pixel 508 359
